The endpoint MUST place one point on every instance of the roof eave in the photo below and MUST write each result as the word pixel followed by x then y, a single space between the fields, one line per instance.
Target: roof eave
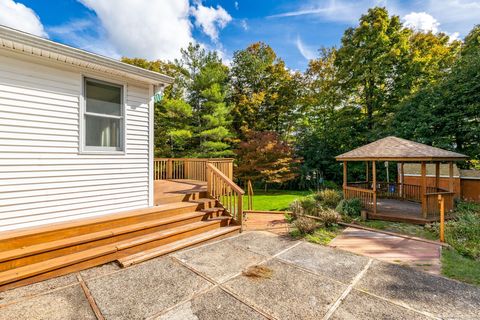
pixel 21 38
pixel 404 159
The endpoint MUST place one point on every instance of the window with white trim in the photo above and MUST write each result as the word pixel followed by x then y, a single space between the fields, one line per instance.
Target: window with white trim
pixel 103 116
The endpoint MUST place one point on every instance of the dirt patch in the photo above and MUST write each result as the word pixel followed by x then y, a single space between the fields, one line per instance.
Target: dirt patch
pixel 260 272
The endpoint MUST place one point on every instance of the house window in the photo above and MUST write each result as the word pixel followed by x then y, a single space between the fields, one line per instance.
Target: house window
pixel 103 116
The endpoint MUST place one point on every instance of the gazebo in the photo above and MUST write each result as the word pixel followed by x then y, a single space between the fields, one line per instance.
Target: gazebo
pixel 397 201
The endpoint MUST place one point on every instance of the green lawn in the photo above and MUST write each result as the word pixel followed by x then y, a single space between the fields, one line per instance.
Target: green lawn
pixel 274 200
pixel 456 266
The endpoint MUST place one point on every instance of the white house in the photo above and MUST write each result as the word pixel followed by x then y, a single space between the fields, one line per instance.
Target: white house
pixel 76 132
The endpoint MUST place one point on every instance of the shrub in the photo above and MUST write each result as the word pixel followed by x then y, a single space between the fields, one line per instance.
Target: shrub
pixel 305 225
pixel 327 184
pixel 463 234
pixel 296 209
pixel 309 206
pixel 329 217
pixel 328 198
pixel 350 207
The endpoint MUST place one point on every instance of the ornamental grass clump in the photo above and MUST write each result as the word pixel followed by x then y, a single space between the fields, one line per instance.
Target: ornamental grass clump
pixel 305 225
pixel 328 198
pixel 329 217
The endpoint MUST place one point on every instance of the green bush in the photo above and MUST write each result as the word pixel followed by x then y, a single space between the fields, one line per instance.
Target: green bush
pixel 329 217
pixel 327 184
pixel 305 225
pixel 309 206
pixel 328 198
pixel 350 207
pixel 463 234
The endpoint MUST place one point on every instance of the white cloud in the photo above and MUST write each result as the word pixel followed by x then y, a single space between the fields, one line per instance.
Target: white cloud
pixel 18 16
pixel 140 28
pixel 210 19
pixel 237 6
pixel 244 24
pixel 333 10
pixel 421 21
pixel 306 52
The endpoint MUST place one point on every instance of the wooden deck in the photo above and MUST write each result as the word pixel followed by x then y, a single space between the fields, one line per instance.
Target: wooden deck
pixel 168 191
pixel 399 211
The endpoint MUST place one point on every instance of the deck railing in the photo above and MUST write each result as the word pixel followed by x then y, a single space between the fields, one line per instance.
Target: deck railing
pixel 190 168
pixel 225 191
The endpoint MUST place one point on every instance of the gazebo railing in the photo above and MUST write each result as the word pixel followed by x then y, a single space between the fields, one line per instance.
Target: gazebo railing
pixel 364 195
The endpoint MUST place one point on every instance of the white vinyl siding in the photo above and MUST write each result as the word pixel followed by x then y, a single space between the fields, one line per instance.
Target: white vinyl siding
pixel 43 176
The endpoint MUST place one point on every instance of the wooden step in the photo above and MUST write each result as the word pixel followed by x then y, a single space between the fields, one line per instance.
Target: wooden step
pixel 94 236
pixel 37 235
pixel 176 245
pixel 38 268
pixel 55 263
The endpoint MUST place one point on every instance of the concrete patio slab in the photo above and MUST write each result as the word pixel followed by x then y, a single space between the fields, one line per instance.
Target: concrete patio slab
pixel 290 293
pixel 417 254
pixel 214 304
pixel 145 290
pixel 65 304
pixel 307 282
pixel 433 294
pixel 262 242
pixel 330 263
pixel 361 306
pixel 220 260
pixel 36 288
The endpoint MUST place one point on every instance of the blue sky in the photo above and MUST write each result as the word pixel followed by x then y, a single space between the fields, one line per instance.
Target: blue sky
pixel 158 28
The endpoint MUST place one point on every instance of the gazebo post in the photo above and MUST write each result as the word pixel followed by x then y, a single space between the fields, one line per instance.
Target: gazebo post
pixel 344 175
pixel 437 175
pixel 450 176
pixel 402 179
pixel 374 181
pixel 423 189
pixel 366 172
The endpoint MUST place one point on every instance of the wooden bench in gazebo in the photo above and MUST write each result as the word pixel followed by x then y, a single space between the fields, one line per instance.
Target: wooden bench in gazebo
pixel 397 201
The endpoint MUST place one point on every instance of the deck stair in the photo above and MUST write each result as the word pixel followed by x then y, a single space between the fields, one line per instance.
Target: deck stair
pixel 36 254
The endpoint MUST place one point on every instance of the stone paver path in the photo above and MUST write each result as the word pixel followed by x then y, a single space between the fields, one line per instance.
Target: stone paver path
pixel 417 254
pixel 307 281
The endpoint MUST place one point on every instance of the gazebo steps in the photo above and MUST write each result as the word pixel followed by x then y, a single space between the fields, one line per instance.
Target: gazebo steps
pixel 31 255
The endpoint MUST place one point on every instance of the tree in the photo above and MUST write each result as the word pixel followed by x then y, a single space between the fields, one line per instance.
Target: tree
pixel 371 65
pixel 264 92
pixel 265 157
pixel 447 114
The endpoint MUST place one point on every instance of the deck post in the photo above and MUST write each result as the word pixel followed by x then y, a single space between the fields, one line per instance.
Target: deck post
pixel 169 168
pixel 450 176
pixel 374 181
pixel 423 190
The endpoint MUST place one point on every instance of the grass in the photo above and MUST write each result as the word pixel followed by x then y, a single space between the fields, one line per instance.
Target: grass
pixel 274 200
pixel 456 266
pixel 321 235
pixel 402 228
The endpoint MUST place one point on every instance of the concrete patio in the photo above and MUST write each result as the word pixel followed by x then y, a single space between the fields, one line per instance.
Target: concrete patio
pixel 308 281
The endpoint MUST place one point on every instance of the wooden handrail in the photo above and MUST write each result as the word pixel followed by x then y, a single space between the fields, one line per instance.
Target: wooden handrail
pixel 226 192
pixel 250 194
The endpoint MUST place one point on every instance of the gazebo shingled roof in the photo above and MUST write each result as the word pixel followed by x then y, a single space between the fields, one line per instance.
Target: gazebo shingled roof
pixel 397 149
